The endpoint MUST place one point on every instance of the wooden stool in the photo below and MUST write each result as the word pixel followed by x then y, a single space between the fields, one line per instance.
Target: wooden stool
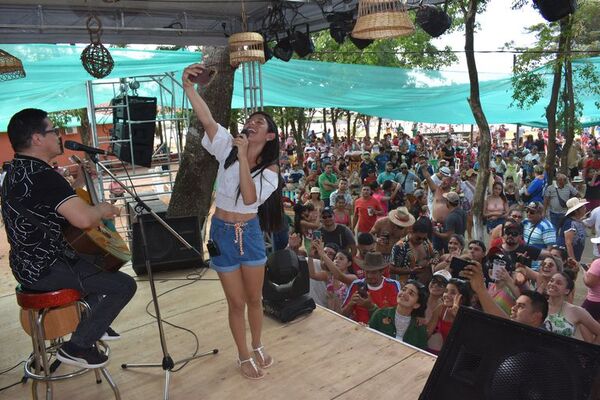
pixel 49 316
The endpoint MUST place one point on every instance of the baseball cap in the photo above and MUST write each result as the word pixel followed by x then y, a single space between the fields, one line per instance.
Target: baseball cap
pixel 595 240
pixel 445 171
pixel 535 205
pixel 452 197
pixel 442 276
pixel 327 211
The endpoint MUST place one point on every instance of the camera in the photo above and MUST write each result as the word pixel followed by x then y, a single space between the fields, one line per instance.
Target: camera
pixel 521 259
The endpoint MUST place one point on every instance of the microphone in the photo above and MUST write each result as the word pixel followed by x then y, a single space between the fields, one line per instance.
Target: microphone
pixel 232 157
pixel 71 145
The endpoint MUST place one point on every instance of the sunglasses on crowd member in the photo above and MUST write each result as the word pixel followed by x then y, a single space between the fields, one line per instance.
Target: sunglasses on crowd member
pixel 513 232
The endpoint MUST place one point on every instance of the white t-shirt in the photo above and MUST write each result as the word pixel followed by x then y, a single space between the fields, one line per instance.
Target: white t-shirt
pixel 402 324
pixel 228 180
pixel 318 289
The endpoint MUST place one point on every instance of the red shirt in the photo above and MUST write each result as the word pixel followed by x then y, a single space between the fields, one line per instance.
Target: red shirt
pixel 384 296
pixel 361 208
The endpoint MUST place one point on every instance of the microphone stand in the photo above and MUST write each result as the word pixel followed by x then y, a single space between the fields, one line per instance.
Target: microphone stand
pixel 167 363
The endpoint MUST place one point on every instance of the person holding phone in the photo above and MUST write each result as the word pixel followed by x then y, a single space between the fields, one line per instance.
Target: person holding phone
pixel 374 291
pixel 248 201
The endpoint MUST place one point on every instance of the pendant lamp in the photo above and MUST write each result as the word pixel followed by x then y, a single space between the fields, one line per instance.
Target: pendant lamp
pixel 382 19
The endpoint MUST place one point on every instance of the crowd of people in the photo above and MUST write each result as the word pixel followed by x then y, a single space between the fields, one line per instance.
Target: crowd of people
pixel 384 224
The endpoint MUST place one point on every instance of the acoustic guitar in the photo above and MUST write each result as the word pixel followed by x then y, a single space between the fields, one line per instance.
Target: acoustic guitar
pixel 103 241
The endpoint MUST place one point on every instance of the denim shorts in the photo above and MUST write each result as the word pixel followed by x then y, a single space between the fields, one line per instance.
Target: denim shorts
pixel 239 244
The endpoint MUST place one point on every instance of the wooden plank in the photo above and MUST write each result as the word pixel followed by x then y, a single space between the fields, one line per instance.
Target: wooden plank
pixel 321 356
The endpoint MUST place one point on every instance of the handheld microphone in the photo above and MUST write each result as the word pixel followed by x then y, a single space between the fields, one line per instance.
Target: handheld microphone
pixel 71 145
pixel 232 157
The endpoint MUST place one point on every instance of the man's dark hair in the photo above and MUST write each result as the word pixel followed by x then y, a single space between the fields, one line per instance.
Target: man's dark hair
pixel 23 125
pixel 423 225
pixel 387 185
pixel 365 239
pixel 478 243
pixel 326 164
pixel 342 179
pixel 539 303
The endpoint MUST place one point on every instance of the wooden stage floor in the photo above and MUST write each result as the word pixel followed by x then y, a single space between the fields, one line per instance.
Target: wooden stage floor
pixel 321 356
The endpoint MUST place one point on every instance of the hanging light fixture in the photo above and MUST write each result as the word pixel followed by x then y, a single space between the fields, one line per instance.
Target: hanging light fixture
pixel 382 19
pixel 10 67
pixel 246 46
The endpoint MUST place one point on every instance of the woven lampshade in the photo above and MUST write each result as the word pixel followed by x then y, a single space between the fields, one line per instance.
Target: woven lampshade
pixel 10 67
pixel 382 19
pixel 246 47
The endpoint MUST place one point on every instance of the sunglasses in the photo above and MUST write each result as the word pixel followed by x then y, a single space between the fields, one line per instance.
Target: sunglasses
pixel 56 131
pixel 513 233
pixel 326 216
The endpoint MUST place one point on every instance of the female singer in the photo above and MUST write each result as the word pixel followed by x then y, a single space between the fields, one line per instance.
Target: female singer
pixel 248 202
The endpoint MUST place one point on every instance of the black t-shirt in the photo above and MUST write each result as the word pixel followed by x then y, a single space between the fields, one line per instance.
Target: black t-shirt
pixel 341 235
pixel 456 221
pixel 448 154
pixel 33 190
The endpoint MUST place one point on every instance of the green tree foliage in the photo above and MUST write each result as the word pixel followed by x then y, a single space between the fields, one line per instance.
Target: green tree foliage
pixel 557 45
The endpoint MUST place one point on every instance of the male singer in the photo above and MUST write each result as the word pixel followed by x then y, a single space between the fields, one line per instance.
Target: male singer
pixel 36 204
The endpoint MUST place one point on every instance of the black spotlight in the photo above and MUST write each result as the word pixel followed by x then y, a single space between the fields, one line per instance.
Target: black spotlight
pixel 283 49
pixel 553 10
pixel 361 43
pixel 337 33
pixel 302 43
pixel 286 286
pixel 433 20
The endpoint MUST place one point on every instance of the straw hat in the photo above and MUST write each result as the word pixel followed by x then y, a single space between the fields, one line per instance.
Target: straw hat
pixel 373 261
pixel 401 217
pixel 574 204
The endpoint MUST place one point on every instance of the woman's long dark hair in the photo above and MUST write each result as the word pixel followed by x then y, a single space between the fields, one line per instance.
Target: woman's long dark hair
pixel 270 213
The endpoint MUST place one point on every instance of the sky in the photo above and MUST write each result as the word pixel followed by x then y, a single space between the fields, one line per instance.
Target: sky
pixel 499 24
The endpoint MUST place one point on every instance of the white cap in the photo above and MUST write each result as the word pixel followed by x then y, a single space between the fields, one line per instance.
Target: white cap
pixel 595 240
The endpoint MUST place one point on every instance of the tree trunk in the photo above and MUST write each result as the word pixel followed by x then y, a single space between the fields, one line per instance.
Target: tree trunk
pixel 192 194
pixel 367 121
pixel 553 103
pixel 485 142
pixel 569 110
pixel 334 119
pixel 324 122
pixel 379 128
pixel 349 124
pixel 354 125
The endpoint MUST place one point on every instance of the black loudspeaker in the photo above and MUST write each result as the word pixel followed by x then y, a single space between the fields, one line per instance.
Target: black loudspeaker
pixel 490 358
pixel 166 252
pixel 127 124
pixel 553 10
pixel 433 20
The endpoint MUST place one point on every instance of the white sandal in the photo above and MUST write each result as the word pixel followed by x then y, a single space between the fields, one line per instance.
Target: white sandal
pixel 261 362
pixel 253 364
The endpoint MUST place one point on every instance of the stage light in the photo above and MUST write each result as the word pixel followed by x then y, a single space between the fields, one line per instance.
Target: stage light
pixel 286 286
pixel 433 20
pixel 553 10
pixel 283 49
pixel 360 43
pixel 337 33
pixel 302 43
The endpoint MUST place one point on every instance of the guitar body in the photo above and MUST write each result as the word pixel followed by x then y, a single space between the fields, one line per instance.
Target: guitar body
pixel 102 241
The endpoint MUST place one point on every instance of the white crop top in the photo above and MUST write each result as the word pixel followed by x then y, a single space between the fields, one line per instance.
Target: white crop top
pixel 228 180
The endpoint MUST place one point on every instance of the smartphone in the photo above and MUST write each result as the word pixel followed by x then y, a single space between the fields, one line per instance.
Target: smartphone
pixel 457 264
pixel 497 264
pixel 213 249
pixel 317 235
pixel 363 290
pixel 584 267
pixel 521 259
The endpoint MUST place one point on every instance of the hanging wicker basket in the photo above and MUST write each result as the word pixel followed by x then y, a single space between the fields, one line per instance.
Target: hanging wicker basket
pixel 382 19
pixel 246 47
pixel 10 67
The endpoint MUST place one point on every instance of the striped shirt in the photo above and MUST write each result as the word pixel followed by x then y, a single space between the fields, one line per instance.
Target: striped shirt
pixel 543 234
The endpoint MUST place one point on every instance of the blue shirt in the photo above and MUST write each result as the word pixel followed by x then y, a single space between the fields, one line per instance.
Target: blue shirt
pixel 536 190
pixel 386 176
pixel 408 186
pixel 381 159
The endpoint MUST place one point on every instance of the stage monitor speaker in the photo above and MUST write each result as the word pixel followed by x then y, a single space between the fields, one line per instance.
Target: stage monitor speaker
pixel 490 358
pixel 166 252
